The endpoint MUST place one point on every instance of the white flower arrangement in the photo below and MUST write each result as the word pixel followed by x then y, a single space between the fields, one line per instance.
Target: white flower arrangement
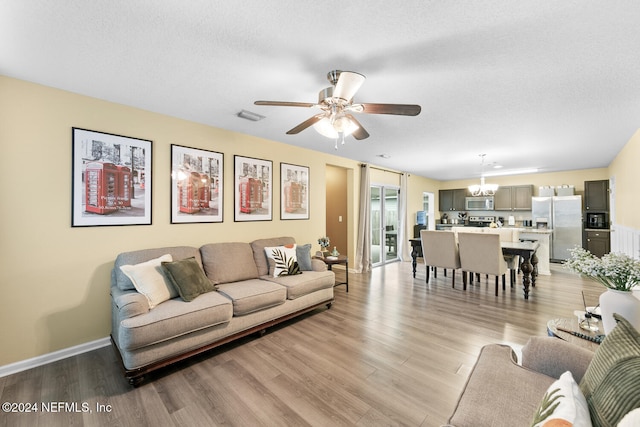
pixel 614 270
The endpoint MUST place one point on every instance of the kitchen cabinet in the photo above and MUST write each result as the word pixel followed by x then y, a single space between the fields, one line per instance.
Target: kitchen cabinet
pixel 452 200
pixel 513 198
pixel 598 242
pixel 596 195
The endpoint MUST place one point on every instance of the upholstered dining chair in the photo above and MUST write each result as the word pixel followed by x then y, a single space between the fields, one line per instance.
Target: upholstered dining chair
pixel 440 250
pixel 481 253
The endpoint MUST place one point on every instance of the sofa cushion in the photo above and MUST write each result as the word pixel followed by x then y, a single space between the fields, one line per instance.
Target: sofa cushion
pixel 149 279
pixel 563 405
pixel 260 258
pixel 187 277
pixel 228 262
pixel 253 295
pixel 172 319
pixel 611 383
pixel 282 260
pixel 136 257
pixel 305 283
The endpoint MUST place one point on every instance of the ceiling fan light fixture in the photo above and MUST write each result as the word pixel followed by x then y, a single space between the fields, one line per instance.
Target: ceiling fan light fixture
pixel 341 124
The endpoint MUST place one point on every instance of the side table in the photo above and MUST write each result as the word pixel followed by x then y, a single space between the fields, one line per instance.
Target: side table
pixel 343 260
pixel 558 328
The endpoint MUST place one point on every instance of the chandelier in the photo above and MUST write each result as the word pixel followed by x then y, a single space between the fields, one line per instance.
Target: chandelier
pixel 483 189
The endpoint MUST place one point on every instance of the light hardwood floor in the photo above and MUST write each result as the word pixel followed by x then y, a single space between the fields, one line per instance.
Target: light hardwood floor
pixel 392 351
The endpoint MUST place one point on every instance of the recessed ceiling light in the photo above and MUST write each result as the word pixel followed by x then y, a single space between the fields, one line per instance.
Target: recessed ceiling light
pixel 384 156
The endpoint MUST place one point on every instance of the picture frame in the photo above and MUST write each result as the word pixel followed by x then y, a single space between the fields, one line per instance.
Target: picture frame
pixel 253 186
pixel 294 191
pixel 197 185
pixel 111 180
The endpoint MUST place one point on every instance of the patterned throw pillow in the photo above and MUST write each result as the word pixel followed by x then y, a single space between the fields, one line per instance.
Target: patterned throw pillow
pixel 611 383
pixel 563 405
pixel 284 260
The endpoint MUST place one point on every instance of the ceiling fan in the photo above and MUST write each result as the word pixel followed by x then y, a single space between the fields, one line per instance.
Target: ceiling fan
pixel 336 103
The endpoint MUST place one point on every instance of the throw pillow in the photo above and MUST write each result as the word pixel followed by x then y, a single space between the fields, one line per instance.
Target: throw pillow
pixel 632 419
pixel 188 278
pixel 303 257
pixel 563 405
pixel 148 278
pixel 286 263
pixel 611 383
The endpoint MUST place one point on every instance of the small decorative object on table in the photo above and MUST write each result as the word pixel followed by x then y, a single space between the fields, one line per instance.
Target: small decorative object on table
pixel 335 252
pixel 324 244
pixel 619 273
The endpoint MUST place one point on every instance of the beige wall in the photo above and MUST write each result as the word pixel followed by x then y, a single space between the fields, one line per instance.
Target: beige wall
pixel 625 171
pixel 55 278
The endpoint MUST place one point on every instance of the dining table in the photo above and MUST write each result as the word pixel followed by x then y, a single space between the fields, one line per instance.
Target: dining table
pixel 525 249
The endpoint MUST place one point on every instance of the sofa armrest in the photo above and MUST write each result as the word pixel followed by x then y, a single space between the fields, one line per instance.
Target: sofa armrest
pixel 318 265
pixel 553 357
pixel 128 303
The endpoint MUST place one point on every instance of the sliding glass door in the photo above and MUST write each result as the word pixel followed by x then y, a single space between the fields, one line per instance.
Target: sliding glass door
pixel 384 224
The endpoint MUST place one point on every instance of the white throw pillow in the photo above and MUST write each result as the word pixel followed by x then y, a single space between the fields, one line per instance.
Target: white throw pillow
pixel 632 419
pixel 563 401
pixel 149 279
pixel 283 257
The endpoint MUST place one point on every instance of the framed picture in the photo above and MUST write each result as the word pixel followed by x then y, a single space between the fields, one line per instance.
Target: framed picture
pixel 294 191
pixel 196 185
pixel 253 183
pixel 111 179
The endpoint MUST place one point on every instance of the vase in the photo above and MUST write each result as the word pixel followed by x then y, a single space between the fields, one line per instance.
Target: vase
pixel 621 302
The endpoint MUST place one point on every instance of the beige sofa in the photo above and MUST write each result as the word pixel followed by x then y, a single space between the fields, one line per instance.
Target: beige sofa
pixel 501 393
pixel 248 299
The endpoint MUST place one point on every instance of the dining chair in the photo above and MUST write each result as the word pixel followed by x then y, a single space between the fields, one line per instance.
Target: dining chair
pixel 440 250
pixel 481 253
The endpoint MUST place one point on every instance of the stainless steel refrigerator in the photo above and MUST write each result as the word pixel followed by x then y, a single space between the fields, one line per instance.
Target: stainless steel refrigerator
pixel 563 215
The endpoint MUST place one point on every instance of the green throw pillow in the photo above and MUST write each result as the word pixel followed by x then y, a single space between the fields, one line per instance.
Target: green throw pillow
pixel 187 277
pixel 611 383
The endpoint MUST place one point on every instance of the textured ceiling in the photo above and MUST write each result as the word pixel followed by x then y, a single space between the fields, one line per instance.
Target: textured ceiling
pixel 533 84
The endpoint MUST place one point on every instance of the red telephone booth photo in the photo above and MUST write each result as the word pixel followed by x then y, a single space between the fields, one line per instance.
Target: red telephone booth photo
pixel 250 194
pixel 188 193
pixel 292 196
pixel 123 189
pixel 205 191
pixel 101 183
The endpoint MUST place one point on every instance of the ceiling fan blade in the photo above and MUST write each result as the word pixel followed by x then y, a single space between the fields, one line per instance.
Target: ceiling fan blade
pixel 285 104
pixel 347 85
pixel 397 109
pixel 359 133
pixel 309 122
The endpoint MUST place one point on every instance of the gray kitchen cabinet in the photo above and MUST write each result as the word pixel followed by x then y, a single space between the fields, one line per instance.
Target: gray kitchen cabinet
pixel 452 200
pixel 596 195
pixel 513 198
pixel 598 242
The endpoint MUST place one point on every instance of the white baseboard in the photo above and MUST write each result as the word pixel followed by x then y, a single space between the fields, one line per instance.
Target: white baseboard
pixel 14 368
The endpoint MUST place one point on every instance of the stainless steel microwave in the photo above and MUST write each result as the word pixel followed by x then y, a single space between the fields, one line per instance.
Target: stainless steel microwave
pixel 483 203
